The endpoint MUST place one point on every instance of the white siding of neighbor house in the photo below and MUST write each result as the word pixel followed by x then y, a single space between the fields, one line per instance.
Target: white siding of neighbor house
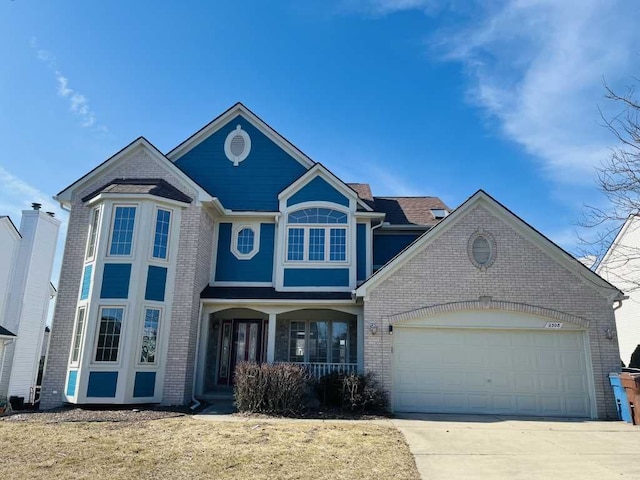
pixel 621 266
pixel 29 299
pixel 9 242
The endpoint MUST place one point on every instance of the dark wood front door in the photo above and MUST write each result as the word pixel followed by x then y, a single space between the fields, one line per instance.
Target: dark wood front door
pixel 240 341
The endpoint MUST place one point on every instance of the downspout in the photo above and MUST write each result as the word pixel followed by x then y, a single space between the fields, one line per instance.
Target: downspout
pixel 196 403
pixel 4 353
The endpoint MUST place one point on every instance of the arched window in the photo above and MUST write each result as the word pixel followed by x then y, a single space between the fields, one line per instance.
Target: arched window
pixel 317 235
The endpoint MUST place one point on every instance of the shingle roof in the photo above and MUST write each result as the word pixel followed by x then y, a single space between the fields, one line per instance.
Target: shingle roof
pixel 269 293
pixel 401 210
pixel 6 333
pixel 140 186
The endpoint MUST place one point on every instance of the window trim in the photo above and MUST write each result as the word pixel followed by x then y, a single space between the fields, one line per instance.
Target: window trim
pixel 114 209
pixel 153 233
pixel 235 231
pixel 156 362
pixel 307 227
pixel 94 233
pixel 118 360
pixel 76 362
pixel 307 330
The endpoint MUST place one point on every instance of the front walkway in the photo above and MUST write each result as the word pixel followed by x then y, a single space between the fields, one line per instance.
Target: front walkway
pixel 496 447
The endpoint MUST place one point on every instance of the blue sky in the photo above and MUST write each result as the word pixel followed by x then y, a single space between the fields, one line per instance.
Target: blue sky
pixel 415 97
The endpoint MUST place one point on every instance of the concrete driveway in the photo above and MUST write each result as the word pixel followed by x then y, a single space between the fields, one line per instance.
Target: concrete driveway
pixel 495 447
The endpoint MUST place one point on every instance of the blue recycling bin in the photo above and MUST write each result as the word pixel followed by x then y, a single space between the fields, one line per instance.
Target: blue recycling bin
pixel 624 412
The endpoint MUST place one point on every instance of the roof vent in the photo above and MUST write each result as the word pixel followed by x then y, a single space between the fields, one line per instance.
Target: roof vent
pixel 439 213
pixel 51 214
pixel 36 206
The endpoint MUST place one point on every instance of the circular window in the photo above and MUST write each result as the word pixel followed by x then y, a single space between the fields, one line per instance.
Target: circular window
pixel 237 145
pixel 482 249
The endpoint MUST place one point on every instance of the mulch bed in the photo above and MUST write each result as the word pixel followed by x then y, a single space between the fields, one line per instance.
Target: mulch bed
pixel 101 414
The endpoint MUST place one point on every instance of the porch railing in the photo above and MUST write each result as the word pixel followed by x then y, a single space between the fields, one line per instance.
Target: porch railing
pixel 320 369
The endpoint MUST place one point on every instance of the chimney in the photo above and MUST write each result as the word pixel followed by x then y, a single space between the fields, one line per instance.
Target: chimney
pixel 36 206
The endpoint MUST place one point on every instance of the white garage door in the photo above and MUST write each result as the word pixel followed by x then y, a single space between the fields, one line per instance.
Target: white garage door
pixel 518 372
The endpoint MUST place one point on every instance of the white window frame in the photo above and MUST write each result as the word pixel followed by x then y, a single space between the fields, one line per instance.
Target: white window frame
pixel 307 331
pixel 94 231
pixel 141 335
pixel 133 234
pixel 306 227
pixel 153 233
pixel 235 231
pixel 77 362
pixel 97 337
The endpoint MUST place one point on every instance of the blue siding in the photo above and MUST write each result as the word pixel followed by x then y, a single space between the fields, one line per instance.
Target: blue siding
pixel 361 245
pixel 255 183
pixel 145 384
pixel 156 282
pixel 316 277
pixel 102 384
pixel 71 383
pixel 115 280
pixel 317 190
pixel 385 247
pixel 257 269
pixel 86 282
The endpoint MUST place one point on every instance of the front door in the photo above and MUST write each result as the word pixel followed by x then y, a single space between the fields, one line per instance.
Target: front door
pixel 240 341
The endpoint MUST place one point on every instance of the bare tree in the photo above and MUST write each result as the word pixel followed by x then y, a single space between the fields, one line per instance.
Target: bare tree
pixel 619 180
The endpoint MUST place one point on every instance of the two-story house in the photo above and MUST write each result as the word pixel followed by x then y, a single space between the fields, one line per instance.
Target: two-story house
pixel 235 246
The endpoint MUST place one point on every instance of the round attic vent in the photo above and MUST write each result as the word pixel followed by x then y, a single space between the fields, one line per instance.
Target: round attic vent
pixel 237 145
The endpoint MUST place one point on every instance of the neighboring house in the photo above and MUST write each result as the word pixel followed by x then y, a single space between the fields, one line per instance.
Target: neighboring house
pixel 26 262
pixel 621 266
pixel 236 246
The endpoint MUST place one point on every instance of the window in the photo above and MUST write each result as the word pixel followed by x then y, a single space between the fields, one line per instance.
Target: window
pixel 311 240
pixel 77 336
pixel 93 233
pixel 245 241
pixel 319 342
pixel 109 334
pixel 122 234
pixel 150 335
pixel 161 237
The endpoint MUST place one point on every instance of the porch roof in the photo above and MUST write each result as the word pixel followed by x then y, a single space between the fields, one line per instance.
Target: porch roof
pixel 5 333
pixel 268 293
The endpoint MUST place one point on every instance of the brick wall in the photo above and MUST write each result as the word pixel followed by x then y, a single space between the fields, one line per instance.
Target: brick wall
pixel 522 273
pixel 194 262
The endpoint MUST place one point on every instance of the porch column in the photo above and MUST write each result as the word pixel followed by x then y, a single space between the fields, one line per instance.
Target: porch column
pixel 271 338
pixel 360 339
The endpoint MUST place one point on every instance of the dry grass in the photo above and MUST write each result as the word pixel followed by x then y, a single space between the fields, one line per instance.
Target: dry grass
pixel 189 448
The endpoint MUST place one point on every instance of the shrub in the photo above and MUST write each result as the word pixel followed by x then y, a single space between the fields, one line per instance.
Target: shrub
pixel 353 392
pixel 271 388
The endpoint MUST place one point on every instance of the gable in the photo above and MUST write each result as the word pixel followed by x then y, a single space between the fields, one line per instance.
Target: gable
pixel 445 256
pixel 317 190
pixel 254 183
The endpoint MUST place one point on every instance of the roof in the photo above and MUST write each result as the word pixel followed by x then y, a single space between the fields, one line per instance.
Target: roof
pixel 401 210
pixel 140 186
pixel 5 333
pixel 12 224
pixel 544 243
pixel 269 293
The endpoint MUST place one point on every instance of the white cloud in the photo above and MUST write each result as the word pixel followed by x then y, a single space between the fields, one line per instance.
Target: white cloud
pixel 537 67
pixel 78 103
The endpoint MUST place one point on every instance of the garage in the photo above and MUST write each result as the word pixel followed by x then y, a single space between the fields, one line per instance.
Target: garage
pixel 491 362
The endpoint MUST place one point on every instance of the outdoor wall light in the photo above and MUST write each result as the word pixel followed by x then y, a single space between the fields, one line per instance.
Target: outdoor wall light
pixel 373 328
pixel 390 329
pixel 609 333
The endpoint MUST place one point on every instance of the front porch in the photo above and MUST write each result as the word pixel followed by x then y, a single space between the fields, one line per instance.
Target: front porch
pixel 323 339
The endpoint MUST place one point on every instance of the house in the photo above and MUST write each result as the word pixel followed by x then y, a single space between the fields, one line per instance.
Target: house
pixel 621 266
pixel 235 246
pixel 26 262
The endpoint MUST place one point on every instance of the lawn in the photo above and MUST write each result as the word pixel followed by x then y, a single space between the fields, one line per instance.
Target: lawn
pixel 186 447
